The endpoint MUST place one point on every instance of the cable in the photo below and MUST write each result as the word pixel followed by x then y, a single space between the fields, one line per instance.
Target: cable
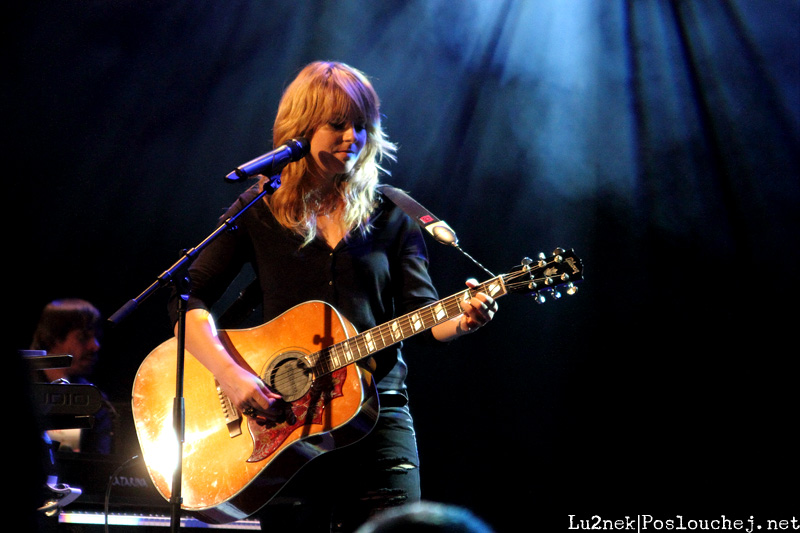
pixel 108 489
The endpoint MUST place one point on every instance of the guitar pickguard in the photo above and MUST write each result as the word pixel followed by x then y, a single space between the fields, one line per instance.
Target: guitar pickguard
pixel 307 410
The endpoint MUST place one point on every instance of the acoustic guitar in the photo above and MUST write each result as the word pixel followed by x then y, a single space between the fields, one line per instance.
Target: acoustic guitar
pixel 232 465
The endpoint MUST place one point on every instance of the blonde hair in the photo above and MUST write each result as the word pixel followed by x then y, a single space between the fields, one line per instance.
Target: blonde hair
pixel 329 92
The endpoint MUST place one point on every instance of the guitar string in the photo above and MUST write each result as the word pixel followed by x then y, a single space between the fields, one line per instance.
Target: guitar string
pixel 322 364
pixel 321 360
pixel 358 346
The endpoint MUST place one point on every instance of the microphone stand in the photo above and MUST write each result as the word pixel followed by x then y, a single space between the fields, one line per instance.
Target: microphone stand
pixel 167 277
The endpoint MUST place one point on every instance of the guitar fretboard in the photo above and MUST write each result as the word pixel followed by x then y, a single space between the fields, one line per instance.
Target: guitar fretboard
pixel 375 339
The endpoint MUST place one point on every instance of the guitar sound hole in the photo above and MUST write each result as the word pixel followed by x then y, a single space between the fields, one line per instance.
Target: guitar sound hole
pixel 289 375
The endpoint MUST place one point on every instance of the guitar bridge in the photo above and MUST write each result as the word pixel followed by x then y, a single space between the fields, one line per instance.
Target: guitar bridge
pixel 232 417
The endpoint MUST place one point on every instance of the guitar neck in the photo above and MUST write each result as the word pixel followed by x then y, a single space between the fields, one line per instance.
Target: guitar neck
pixel 375 339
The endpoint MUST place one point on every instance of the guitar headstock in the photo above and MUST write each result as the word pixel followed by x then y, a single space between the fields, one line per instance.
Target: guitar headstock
pixel 546 276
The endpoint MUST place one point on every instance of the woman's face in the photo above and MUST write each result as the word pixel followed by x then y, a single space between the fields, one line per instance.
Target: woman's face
pixel 336 147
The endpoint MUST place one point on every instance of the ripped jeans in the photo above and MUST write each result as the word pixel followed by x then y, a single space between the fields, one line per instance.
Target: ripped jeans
pixel 340 490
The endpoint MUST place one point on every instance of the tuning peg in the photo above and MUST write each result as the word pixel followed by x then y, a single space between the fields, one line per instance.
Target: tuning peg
pixel 542 260
pixel 541 296
pixel 571 288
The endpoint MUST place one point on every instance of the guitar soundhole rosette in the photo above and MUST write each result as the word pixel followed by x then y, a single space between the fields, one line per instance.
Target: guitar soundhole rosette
pixel 289 375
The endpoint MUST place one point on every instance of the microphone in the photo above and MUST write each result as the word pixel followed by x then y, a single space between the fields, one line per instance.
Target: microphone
pixel 272 162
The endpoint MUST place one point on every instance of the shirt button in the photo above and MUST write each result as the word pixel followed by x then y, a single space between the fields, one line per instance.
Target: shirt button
pixel 330 283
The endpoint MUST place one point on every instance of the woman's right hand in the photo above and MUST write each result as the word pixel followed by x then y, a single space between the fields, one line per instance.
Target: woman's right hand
pixel 247 391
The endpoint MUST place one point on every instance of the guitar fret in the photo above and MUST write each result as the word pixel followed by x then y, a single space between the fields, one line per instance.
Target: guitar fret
pixel 416 322
pixel 425 318
pixel 396 331
pixel 382 330
pixel 439 312
pixel 370 342
pixel 348 353
pixel 408 326
pixel 328 361
pixel 401 331
pixel 321 361
pixel 492 288
pixel 360 346
pixel 453 305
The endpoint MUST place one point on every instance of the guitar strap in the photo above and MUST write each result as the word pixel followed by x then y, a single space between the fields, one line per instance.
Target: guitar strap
pixel 250 298
pixel 438 228
pixel 433 225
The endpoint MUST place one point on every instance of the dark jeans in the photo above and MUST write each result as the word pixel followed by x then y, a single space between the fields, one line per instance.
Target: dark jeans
pixel 338 491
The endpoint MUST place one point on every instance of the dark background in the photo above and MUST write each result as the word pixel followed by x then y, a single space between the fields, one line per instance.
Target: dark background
pixel 658 139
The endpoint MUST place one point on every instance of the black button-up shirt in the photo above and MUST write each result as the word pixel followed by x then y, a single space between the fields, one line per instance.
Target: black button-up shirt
pixel 369 279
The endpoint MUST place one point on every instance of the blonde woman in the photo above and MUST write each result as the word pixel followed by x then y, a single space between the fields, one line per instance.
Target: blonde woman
pixel 328 234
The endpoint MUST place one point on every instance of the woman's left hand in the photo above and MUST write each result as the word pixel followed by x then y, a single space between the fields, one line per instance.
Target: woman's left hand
pixel 478 310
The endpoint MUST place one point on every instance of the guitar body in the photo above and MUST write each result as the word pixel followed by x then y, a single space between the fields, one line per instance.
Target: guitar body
pixel 232 465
